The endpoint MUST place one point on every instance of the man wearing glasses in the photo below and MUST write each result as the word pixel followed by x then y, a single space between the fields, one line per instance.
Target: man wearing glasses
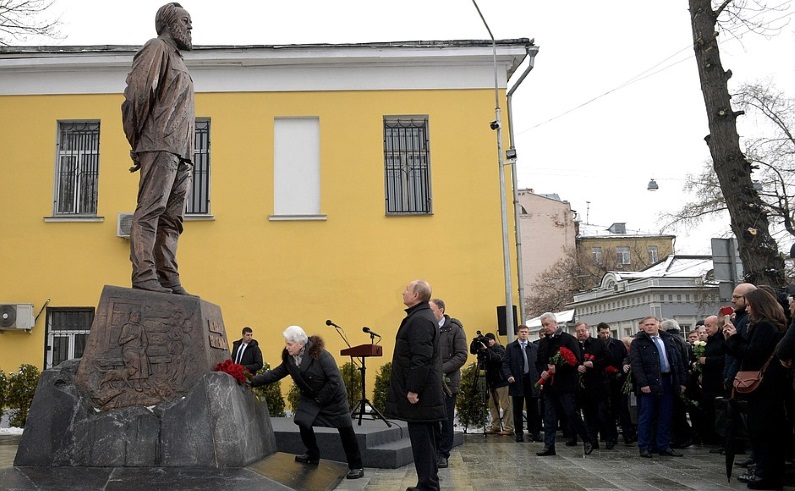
pixel 740 321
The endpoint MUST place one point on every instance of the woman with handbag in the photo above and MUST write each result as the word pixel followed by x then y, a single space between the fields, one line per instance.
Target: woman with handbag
pixel 766 419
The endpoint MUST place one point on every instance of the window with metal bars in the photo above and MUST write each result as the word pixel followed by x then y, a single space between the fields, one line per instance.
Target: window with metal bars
pixel 198 202
pixel 67 333
pixel 407 178
pixel 77 168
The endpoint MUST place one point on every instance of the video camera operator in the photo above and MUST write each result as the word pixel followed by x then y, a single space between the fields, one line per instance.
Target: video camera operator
pixel 490 356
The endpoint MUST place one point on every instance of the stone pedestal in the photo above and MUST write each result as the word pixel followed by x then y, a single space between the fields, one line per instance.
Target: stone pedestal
pixel 146 348
pixel 144 394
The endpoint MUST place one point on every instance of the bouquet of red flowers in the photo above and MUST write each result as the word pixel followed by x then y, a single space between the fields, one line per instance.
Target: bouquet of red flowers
pixel 564 356
pixel 611 370
pixel 239 372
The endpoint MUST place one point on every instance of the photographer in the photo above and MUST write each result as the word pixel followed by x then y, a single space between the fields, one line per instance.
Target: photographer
pixel 490 355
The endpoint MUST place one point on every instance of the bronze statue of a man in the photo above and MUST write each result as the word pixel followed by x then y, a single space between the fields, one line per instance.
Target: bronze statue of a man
pixel 159 123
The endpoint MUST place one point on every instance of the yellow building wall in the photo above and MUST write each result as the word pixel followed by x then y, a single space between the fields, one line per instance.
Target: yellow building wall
pixel 265 274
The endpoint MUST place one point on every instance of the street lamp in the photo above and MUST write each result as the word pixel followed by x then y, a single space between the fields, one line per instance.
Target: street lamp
pixel 652 186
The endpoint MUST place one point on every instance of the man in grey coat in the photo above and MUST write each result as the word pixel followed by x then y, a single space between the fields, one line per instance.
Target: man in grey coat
pixel 453 346
pixel 415 387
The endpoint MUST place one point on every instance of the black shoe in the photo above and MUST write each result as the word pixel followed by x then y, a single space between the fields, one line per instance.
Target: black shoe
pixel 355 474
pixel 645 454
pixel 764 484
pixel 588 448
pixel 519 438
pixel 441 463
pixel 629 440
pixel 748 477
pixel 571 443
pixel 547 451
pixel 670 452
pixel 609 445
pixel 307 459
pixel 684 444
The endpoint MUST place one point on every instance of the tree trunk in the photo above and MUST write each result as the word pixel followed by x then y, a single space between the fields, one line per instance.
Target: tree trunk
pixel 759 252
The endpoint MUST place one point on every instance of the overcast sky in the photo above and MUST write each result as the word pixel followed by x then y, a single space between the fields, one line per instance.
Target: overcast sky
pixel 613 101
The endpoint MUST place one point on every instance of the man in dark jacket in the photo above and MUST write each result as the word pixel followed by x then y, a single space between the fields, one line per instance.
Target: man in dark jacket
pixel 681 432
pixel 740 321
pixel 415 387
pixel 618 403
pixel 711 368
pixel 324 399
pixel 594 390
pixel 560 383
pixel 659 374
pixel 519 369
pixel 493 355
pixel 246 352
pixel 453 347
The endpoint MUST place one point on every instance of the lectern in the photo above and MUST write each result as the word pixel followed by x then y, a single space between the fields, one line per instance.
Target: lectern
pixel 364 351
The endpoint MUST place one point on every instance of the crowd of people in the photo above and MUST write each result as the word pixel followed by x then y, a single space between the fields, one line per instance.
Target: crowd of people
pixel 677 387
pixel 657 389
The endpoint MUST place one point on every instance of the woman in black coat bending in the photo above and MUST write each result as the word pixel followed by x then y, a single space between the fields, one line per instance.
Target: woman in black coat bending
pixel 324 399
pixel 766 404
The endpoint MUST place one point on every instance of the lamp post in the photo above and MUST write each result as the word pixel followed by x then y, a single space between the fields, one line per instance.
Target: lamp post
pixel 496 125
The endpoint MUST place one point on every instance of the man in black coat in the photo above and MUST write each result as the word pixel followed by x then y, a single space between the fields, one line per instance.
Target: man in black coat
pixel 415 387
pixel 560 382
pixel 453 346
pixel 324 399
pixel 711 368
pixel 595 390
pixel 660 375
pixel 493 355
pixel 740 321
pixel 519 369
pixel 246 352
pixel 618 404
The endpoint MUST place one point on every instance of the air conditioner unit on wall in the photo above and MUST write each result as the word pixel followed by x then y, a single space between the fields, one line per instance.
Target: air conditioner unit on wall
pixel 123 224
pixel 16 316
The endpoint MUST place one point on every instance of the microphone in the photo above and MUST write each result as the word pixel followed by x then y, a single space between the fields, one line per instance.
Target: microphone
pixel 329 323
pixel 368 331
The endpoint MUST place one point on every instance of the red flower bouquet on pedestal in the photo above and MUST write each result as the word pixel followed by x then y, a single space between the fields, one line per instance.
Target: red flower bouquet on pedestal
pixel 239 372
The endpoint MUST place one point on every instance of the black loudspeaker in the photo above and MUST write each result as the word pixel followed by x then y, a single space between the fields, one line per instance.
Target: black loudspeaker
pixel 501 320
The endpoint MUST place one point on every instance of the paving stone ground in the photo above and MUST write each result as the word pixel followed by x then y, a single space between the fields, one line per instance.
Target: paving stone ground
pixel 498 463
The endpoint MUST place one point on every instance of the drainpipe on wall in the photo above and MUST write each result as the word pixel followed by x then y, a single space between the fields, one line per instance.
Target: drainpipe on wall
pixel 532 51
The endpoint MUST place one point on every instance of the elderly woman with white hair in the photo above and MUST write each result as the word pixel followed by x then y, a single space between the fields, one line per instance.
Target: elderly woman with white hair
pixel 324 399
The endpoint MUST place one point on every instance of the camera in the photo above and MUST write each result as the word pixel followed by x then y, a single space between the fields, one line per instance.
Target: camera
pixel 475 347
pixel 494 125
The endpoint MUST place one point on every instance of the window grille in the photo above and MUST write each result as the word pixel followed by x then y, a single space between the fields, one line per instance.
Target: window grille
pixel 77 168
pixel 198 202
pixel 68 330
pixel 407 166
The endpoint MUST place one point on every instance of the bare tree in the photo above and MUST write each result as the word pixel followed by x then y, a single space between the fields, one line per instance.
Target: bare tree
pixel 20 19
pixel 772 157
pixel 749 217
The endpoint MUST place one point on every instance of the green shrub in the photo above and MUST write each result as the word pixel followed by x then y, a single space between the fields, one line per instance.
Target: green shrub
pixel 3 389
pixel 353 382
pixel 382 386
pixel 272 393
pixel 20 389
pixel 293 397
pixel 472 408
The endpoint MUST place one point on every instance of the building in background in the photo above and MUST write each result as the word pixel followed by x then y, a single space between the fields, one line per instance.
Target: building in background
pixel 679 287
pixel 327 177
pixel 548 231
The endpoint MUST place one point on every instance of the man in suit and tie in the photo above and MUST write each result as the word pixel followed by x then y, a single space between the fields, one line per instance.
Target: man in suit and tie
pixel 519 369
pixel 246 352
